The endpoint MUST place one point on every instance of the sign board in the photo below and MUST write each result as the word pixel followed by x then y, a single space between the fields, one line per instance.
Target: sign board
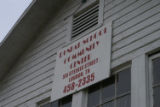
pixel 83 63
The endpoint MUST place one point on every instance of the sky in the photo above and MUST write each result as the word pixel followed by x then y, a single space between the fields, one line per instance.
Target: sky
pixel 10 11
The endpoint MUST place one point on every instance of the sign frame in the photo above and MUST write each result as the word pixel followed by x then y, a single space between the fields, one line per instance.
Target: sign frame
pixel 96 52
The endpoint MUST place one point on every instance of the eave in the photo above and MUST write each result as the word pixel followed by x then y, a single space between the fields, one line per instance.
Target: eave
pixel 25 31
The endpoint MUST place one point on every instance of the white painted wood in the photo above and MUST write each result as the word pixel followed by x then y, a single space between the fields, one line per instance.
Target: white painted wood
pixel 113 4
pixel 45 48
pixel 117 11
pixel 31 71
pixel 52 28
pixel 118 8
pixel 23 105
pixel 150 78
pixel 78 18
pixel 10 90
pixel 69 29
pixel 82 28
pixel 10 86
pixel 138 32
pixel 28 70
pixel 138 82
pixel 39 41
pixel 138 28
pixel 132 11
pixel 46 45
pixel 79 99
pixel 22 93
pixel 33 102
pixel 101 11
pixel 107 2
pixel 39 57
pixel 49 34
pixel 137 44
pixel 43 41
pixel 28 96
pixel 37 62
pixel 138 19
pixel 83 6
pixel 100 18
pixel 146 49
pixel 67 10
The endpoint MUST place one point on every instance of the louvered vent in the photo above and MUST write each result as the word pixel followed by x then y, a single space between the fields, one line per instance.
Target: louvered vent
pixel 85 19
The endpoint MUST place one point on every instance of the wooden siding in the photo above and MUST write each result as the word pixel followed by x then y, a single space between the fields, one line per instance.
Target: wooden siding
pixel 136 30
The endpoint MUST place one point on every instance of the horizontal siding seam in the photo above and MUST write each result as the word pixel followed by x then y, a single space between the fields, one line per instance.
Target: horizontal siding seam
pixel 120 9
pixel 36 64
pixel 48 91
pixel 27 93
pixel 41 57
pixel 144 50
pixel 9 88
pixel 135 40
pixel 49 38
pixel 105 11
pixel 108 3
pixel 30 72
pixel 137 22
pixel 29 67
pixel 139 30
pixel 135 48
pixel 25 88
pixel 130 12
pixel 38 51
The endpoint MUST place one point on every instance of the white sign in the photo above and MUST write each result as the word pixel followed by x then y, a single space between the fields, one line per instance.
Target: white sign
pixel 83 63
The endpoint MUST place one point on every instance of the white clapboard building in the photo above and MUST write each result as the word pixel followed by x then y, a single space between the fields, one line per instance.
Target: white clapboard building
pixel 83 53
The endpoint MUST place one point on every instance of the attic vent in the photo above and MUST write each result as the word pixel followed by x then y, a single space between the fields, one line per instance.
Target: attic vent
pixel 85 19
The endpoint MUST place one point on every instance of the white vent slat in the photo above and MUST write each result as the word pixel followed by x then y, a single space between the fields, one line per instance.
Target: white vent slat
pixel 77 33
pixel 85 27
pixel 85 19
pixel 90 11
pixel 82 22
pixel 87 24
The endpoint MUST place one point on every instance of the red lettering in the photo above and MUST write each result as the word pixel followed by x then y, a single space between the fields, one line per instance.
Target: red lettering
pixel 85 41
pixel 70 66
pixel 89 48
pixel 74 56
pixel 100 33
pixel 81 52
pixel 97 42
pixel 77 45
pixel 94 36
pixel 69 59
pixel 105 30
pixel 60 55
pixel 65 75
pixel 64 61
pixel 80 61
pixel 91 38
pixel 69 49
pixel 75 76
pixel 64 53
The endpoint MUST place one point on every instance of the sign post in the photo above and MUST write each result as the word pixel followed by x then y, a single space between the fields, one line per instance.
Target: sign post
pixel 83 63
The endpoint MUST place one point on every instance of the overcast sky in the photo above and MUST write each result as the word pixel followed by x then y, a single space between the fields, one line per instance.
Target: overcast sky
pixel 10 11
